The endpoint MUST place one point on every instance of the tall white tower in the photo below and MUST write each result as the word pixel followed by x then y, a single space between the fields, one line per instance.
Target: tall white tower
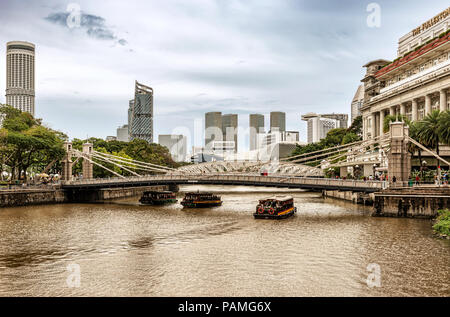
pixel 20 75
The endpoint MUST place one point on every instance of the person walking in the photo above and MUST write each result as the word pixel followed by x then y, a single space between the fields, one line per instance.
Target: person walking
pixel 417 180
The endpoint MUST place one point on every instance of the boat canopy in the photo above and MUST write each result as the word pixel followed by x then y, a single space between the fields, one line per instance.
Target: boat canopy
pixel 278 198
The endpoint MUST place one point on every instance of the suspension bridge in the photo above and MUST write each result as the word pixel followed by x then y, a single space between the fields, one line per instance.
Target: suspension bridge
pixel 387 152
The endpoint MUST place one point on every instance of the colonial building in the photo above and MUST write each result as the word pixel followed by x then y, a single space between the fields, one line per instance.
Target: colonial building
pixel 414 84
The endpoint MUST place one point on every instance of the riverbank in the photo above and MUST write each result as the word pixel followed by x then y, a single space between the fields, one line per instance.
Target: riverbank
pixel 442 224
pixel 57 195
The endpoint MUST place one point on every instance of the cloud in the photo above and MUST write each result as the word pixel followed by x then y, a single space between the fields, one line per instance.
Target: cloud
pixel 94 26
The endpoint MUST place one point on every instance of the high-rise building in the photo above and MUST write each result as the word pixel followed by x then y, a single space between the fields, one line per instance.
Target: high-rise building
pixel 122 133
pixel 230 129
pixel 357 102
pixel 278 121
pixel 20 75
pixel 177 145
pixel 320 124
pixel 213 129
pixel 256 126
pixel 142 113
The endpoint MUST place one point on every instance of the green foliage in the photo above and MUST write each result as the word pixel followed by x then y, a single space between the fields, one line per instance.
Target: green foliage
pixel 389 118
pixel 139 150
pixel 356 126
pixel 442 225
pixel 25 144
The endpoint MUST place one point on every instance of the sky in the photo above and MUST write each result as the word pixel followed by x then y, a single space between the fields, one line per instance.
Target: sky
pixel 234 56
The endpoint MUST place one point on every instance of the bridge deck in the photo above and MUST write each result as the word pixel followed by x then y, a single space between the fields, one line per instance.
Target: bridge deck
pixel 228 179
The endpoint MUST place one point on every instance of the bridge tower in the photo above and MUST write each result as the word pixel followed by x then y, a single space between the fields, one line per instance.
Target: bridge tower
pixel 88 166
pixel 66 163
pixel 399 159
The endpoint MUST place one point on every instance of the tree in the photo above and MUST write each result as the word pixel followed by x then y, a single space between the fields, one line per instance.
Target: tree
pixel 429 131
pixel 444 127
pixel 356 126
pixel 26 144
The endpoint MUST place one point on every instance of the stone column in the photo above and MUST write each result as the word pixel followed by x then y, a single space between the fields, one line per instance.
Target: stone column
pixel 88 167
pixel 373 126
pixel 443 100
pixel 399 159
pixel 392 111
pixel 427 104
pixel 403 109
pixel 381 122
pixel 66 163
pixel 415 111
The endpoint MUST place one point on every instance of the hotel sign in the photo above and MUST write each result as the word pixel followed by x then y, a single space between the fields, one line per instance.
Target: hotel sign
pixel 438 18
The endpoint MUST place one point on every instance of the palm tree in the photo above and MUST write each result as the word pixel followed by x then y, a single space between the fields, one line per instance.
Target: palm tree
pixel 414 134
pixel 390 118
pixel 444 127
pixel 429 128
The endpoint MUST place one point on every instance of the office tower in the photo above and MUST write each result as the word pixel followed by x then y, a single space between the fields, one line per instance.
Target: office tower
pixel 122 133
pixel 20 75
pixel 256 126
pixel 320 124
pixel 213 129
pixel 230 130
pixel 142 113
pixel 278 121
pixel 177 145
pixel 357 102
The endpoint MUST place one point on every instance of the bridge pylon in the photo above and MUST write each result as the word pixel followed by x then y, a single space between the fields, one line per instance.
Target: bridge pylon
pixel 67 163
pixel 88 166
pixel 399 159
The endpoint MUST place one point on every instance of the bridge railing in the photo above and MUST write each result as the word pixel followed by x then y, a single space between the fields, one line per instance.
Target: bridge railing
pixel 244 178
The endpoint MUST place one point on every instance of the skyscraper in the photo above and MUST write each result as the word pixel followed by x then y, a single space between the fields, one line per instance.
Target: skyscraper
pixel 142 113
pixel 320 124
pixel 177 145
pixel 277 121
pixel 20 75
pixel 213 129
pixel 256 126
pixel 230 128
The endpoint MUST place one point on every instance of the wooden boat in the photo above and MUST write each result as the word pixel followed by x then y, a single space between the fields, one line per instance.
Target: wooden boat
pixel 278 207
pixel 201 200
pixel 158 198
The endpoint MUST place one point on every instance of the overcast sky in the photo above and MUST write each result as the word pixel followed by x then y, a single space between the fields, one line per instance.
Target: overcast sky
pixel 234 56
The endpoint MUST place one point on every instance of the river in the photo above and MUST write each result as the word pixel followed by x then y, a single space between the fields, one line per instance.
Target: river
pixel 124 249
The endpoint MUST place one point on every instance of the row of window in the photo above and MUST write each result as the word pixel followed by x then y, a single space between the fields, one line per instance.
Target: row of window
pixel 418 69
pixel 23 103
pixel 20 71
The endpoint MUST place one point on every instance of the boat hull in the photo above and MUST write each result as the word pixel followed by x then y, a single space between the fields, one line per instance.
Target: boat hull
pixel 188 204
pixel 279 216
pixel 157 202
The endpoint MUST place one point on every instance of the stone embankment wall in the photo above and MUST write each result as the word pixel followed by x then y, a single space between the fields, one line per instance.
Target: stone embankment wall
pixel 24 197
pixel 55 195
pixel 411 202
pixel 356 198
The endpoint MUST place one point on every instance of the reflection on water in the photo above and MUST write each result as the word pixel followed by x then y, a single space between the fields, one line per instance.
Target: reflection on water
pixel 126 249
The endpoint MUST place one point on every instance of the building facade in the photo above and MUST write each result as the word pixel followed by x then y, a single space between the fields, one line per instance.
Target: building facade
pixel 122 133
pixel 213 129
pixel 142 113
pixel 256 122
pixel 278 121
pixel 320 124
pixel 357 103
pixel 230 129
pixel 177 145
pixel 20 75
pixel 413 85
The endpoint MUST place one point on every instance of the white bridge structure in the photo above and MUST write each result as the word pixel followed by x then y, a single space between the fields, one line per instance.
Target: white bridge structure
pixel 387 152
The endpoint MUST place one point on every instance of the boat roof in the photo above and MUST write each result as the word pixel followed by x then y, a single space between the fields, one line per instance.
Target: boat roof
pixel 279 198
pixel 158 192
pixel 199 193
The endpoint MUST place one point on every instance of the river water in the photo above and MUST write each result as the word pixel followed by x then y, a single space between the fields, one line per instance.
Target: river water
pixel 124 249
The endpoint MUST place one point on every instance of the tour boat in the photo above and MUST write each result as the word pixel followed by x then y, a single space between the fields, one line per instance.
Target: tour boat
pixel 278 207
pixel 158 198
pixel 201 200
